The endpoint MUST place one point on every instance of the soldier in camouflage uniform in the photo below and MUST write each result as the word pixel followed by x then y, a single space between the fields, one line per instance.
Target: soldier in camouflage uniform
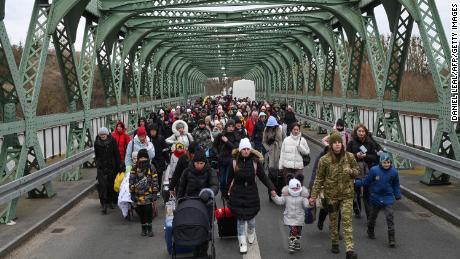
pixel 334 176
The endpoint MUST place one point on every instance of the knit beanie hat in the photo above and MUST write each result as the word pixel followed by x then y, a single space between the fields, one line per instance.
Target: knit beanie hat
pixel 385 157
pixel 295 188
pixel 238 114
pixel 141 132
pixel 199 156
pixel 335 137
pixel 142 153
pixel 340 122
pixel 244 143
pixel 262 114
pixel 103 131
pixel 272 122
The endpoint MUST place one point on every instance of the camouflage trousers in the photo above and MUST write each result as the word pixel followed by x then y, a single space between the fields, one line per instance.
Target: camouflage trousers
pixel 346 208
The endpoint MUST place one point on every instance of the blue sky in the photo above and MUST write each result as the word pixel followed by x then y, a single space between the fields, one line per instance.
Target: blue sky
pixel 18 16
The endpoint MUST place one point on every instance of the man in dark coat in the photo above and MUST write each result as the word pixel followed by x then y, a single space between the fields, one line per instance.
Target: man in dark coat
pixel 258 133
pixel 224 144
pixel 289 119
pixel 108 162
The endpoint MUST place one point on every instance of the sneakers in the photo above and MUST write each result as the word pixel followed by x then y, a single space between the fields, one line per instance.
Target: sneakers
pixel 297 244
pixel 243 245
pixel 291 245
pixel 351 255
pixel 251 235
pixel 335 249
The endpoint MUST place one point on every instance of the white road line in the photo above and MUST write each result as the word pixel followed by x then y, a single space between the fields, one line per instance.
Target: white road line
pixel 253 250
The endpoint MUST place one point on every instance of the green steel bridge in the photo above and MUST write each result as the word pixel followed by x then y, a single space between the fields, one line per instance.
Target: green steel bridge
pixel 161 52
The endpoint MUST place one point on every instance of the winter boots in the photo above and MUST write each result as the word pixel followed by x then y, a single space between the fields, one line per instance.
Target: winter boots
pixel 147 230
pixel 104 208
pixel 291 245
pixel 251 235
pixel 351 255
pixel 335 248
pixel 370 232
pixel 243 244
pixel 144 230
pixel 391 238
pixel 297 243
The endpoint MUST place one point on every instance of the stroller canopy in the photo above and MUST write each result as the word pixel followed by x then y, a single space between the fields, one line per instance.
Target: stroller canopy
pixel 191 225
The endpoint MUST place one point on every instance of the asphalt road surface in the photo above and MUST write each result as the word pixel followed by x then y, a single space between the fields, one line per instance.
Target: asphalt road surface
pixel 84 232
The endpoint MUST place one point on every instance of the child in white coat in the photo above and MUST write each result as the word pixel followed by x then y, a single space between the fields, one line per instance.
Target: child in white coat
pixel 295 200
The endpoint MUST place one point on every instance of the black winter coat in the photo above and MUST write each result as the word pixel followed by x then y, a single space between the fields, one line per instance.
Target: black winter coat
pixel 258 132
pixel 244 201
pixel 182 164
pixel 372 147
pixel 161 152
pixel 193 181
pixel 107 156
pixel 224 149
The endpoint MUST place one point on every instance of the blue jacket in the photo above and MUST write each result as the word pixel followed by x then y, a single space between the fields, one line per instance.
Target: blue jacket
pixel 384 185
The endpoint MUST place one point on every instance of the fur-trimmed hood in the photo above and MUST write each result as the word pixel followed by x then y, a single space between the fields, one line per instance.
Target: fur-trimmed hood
pixel 254 153
pixel 174 129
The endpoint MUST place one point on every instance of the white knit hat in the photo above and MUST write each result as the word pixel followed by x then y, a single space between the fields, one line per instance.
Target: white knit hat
pixel 238 114
pixel 162 112
pixel 103 131
pixel 245 144
pixel 262 114
pixel 189 111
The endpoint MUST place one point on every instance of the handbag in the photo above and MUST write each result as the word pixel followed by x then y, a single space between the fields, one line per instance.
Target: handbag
pixel 305 158
pixel 310 215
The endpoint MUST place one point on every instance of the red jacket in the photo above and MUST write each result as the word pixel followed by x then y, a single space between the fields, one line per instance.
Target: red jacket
pixel 122 138
pixel 250 126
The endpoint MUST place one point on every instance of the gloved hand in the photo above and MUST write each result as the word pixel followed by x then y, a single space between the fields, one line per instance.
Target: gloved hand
pixel 204 196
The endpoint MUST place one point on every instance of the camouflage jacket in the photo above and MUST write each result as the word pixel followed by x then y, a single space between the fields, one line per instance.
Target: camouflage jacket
pixel 332 178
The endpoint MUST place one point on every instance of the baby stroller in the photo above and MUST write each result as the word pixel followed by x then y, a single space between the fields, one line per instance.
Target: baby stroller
pixel 192 225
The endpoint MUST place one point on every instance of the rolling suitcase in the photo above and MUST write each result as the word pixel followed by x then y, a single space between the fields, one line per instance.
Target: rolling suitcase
pixel 226 222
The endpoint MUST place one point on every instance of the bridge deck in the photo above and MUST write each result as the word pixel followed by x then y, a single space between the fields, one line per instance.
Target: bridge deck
pixel 88 234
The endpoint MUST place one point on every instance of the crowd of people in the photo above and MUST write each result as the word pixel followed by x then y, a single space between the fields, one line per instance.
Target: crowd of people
pixel 222 145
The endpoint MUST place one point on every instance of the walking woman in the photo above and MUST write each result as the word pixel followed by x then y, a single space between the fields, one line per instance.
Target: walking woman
pixel 335 175
pixel 293 148
pixel 107 159
pixel 365 149
pixel 242 191
pixel 272 141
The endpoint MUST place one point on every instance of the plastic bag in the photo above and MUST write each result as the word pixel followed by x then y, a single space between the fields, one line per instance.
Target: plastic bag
pixel 118 179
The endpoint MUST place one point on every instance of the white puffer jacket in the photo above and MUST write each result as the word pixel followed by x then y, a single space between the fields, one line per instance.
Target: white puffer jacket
pixel 294 212
pixel 176 137
pixel 290 152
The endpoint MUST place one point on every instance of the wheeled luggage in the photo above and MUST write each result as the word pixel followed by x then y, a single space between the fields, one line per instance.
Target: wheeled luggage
pixel 226 222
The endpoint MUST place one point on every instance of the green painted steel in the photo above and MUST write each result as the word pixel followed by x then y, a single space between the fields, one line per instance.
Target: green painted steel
pixel 154 53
